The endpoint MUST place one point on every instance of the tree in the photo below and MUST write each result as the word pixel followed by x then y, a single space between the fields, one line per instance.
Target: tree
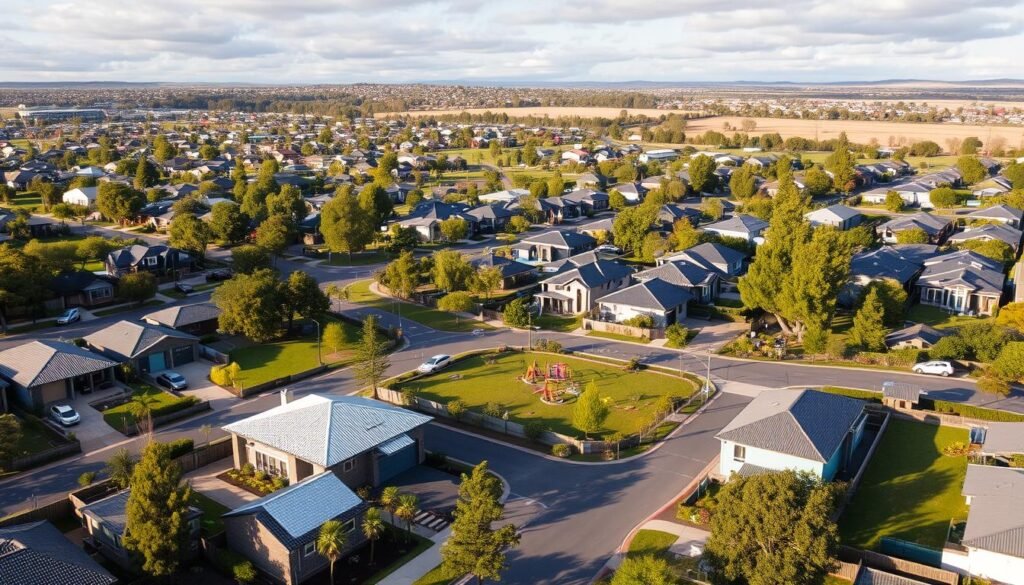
pixel 345 225
pixel 893 298
pixel 616 200
pixel 244 572
pixel 817 183
pixel 162 148
pixel 590 411
pixel 474 546
pixel 644 570
pixel 376 202
pixel 63 212
pixel 371 355
pixel 331 541
pixel 486 281
pixel 191 234
pixel 456 302
pixel 334 336
pixel 146 175
pixel 275 233
pixel 944 197
pixel 1009 365
pixel 401 275
pixel 120 467
pixel 1012 315
pixel 451 271
pixel 119 202
pixel 373 528
pixel 840 164
pixel 970 145
pixel 251 305
pixel 389 499
pixel 773 528
pixel 702 174
pixel 912 236
pixel 712 208
pixel 454 229
pixel 893 202
pixel 743 182
pixel 517 224
pixel 971 169
pixel 1015 173
pixel 95 248
pixel 406 510
pixel 516 313
pixel 994 249
pixel 10 434
pixel 249 258
pixel 157 510
pixel 227 222
pixel 868 329
pixel 302 296
pixel 631 225
pixel 136 287
pixel 289 203
pixel 23 281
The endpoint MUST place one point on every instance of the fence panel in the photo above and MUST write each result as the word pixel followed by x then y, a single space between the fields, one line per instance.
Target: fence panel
pixel 54 512
pixel 893 564
pixel 911 551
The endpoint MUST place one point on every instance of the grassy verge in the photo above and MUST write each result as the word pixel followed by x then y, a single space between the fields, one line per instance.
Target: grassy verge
pixel 559 323
pixel 618 337
pixel 271 361
pixel 359 292
pixel 941 406
pixel 651 542
pixel 130 307
pixel 361 259
pixel 936 317
pixel 436 576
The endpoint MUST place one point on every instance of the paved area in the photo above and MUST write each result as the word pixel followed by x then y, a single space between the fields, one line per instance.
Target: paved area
pixel 436 490
pixel 93 431
pixel 200 386
pixel 204 480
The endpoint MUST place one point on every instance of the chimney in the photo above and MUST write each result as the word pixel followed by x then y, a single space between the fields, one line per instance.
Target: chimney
pixel 286 396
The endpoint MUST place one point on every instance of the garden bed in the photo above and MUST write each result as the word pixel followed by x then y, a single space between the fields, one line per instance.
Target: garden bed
pixel 252 481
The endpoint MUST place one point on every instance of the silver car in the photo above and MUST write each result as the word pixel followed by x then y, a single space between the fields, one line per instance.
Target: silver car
pixel 65 415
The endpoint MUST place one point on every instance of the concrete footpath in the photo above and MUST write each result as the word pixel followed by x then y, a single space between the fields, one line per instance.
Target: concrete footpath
pixel 421 565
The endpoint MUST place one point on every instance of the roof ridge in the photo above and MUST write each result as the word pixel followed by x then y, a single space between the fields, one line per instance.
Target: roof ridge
pixel 789 411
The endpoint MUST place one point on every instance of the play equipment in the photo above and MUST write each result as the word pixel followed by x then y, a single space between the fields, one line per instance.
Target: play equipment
pixel 550 382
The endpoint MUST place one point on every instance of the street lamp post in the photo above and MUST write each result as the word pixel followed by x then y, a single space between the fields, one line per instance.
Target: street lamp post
pixel 319 359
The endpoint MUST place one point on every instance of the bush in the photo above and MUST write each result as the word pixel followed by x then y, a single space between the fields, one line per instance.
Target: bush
pixel 1017 460
pixel 685 511
pixel 364 492
pixel 260 475
pixel 853 393
pixel 677 334
pixel 180 447
pixel 219 376
pixel 645 321
pixel 970 411
pixel 837 348
pixel 244 572
pixel 561 450
pixel 533 430
pixel 87 478
pixel 515 313
pixel 279 482
pixel 493 409
pixel 247 470
pixel 456 408
pixel 956 449
pixel 994 384
pixel 548 346
pixel 633 365
pixel 409 396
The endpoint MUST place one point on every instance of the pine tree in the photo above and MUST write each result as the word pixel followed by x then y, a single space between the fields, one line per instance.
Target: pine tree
pixel 868 328
pixel 474 546
pixel 371 355
pixel 157 511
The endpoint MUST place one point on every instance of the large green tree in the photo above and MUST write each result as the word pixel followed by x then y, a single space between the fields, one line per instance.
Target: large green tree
pixel 275 234
pixel 702 174
pixel 146 175
pixel 302 296
pixel 451 271
pixel 371 355
pixel 156 513
pixel 743 182
pixel 474 546
pixel 773 528
pixel 345 225
pixel 249 258
pixel 631 226
pixel 289 203
pixel 971 169
pixel 137 287
pixel 590 411
pixel 868 331
pixel 227 222
pixel 840 163
pixel 251 305
pixel 191 234
pixel 376 202
pixel 402 275
pixel 119 202
pixel 645 570
pixel 10 434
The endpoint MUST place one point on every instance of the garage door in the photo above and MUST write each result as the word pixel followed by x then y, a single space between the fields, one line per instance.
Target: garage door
pixel 157 362
pixel 183 355
pixel 401 460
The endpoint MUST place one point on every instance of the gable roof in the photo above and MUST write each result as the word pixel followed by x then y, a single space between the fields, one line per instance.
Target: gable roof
pixel 739 223
pixel 995 521
pixel 709 256
pixel 288 512
pixel 1001 211
pixel 927 222
pixel 806 423
pixel 836 212
pixel 127 339
pixel 964 268
pixel 508 267
pixel 679 272
pixel 327 430
pixel 900 262
pixel 922 331
pixel 869 576
pixel 561 238
pixel 38 554
pixel 183 315
pixel 40 362
pixel 1003 438
pixel 994 231
pixel 650 294
pixel 592 274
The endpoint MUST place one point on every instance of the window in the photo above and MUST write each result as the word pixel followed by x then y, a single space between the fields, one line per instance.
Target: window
pixel 271 465
pixel 309 549
pixel 348 465
pixel 151 261
pixel 739 453
pixel 349 525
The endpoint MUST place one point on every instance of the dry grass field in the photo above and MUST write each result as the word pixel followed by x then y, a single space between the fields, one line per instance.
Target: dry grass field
pixel 886 133
pixel 551 112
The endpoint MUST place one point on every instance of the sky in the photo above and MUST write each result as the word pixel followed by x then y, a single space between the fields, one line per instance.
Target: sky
pixel 347 41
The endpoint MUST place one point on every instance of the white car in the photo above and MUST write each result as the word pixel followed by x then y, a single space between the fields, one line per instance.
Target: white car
pixel 434 364
pixel 69 316
pixel 65 415
pixel 478 332
pixel 608 249
pixel 937 368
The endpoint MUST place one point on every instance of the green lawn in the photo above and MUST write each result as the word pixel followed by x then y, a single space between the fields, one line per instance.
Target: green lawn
pixel 359 292
pixel 35 438
pixel 27 199
pixel 129 307
pixel 358 259
pixel 476 382
pixel 617 337
pixel 559 323
pixel 435 576
pixel 910 491
pixel 270 361
pixel 121 419
pixel 651 542
pixel 212 512
pixel 937 317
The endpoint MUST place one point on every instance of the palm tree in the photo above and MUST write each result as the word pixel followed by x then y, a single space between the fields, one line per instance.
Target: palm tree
pixel 120 467
pixel 141 408
pixel 389 499
pixel 330 542
pixel 407 509
pixel 373 528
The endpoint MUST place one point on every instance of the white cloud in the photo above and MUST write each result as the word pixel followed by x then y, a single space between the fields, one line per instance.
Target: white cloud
pixel 603 40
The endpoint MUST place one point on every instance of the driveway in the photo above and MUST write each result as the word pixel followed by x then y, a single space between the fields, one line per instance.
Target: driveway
pixel 199 384
pixel 93 431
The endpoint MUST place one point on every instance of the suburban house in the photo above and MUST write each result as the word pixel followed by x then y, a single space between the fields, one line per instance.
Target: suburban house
pixel 702 284
pixel 658 154
pixel 278 532
pixel 158 259
pixel 838 216
pixel 670 213
pixel 917 336
pixel 710 256
pixel 913 193
pixel 81 288
pixel 579 282
pixel 41 372
pixel 995 524
pixel 588 200
pixel 1001 213
pixel 491 218
pixel 559 209
pixel 741 226
pixel 900 262
pixel 632 192
pixel 663 301
pixel 38 554
pixel 987 232
pixel 992 187
pixel 198 319
pixel 426 218
pixel 363 441
pixel 84 196
pixel 937 228
pixel 105 522
pixel 804 430
pixel 962 282
pixel 507 196
pixel 148 348
pixel 552 246
pixel 513 272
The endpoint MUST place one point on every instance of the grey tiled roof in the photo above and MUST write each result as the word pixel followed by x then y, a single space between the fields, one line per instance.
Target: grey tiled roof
pixel 592 274
pixel 901 391
pixel 112 510
pixel 127 339
pixel 964 268
pixel 38 554
pixel 679 272
pixel 926 333
pixel 41 362
pixel 649 294
pixel 869 576
pixel 561 238
pixel 832 213
pixel 806 423
pixel 1004 438
pixel 297 510
pixel 739 223
pixel 996 518
pixel 997 212
pixel 327 430
pixel 925 221
pixel 507 266
pixel 997 231
pixel 183 315
pixel 709 255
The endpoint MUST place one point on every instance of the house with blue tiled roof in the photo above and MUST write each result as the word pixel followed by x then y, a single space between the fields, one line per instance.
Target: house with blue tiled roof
pixel 38 554
pixel 278 532
pixel 363 441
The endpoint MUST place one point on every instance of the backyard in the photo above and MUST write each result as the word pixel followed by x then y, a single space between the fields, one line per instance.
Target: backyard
pixel 212 512
pixel 494 378
pixel 910 490
pixel 359 292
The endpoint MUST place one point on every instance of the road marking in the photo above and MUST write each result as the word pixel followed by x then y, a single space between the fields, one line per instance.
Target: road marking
pixel 515 497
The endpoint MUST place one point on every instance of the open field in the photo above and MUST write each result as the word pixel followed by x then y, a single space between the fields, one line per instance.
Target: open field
pixel 550 111
pixel 887 133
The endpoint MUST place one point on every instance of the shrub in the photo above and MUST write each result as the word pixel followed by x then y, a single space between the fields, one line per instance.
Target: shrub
pixel 685 511
pixel 561 450
pixel 364 492
pixel 645 321
pixel 703 517
pixel 533 430
pixel 247 470
pixel 279 482
pixel 956 449
pixel 677 334
pixel 837 348
pixel 1017 460
pixel 244 572
pixel 180 447
pixel 260 475
pixel 494 409
pixel 743 346
pixel 456 408
pixel 409 396
pixel 633 365
pixel 970 411
pixel 87 478
pixel 219 376
pixel 994 384
pixel 548 346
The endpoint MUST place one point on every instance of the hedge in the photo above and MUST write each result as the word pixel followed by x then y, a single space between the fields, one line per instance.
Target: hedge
pixel 939 406
pixel 854 393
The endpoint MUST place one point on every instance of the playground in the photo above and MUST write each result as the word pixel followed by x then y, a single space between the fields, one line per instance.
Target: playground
pixel 539 387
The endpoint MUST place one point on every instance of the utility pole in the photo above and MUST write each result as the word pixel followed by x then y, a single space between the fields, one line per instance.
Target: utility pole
pixel 319 359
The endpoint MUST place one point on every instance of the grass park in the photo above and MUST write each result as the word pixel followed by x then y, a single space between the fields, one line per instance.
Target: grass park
pixel 359 292
pixel 495 378
pixel 910 490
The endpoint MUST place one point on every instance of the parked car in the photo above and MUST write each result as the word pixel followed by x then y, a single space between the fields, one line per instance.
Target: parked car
pixel 172 380
pixel 65 415
pixel 218 275
pixel 434 364
pixel 938 368
pixel 478 332
pixel 69 316
pixel 608 249
pixel 184 288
